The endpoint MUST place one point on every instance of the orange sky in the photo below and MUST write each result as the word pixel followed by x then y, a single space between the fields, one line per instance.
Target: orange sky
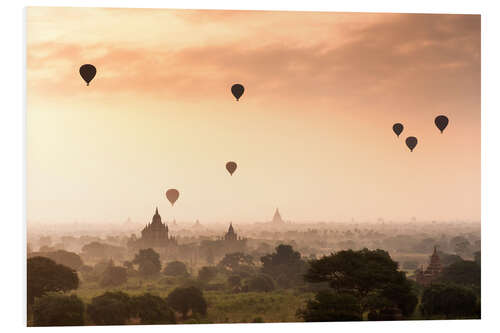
pixel 311 135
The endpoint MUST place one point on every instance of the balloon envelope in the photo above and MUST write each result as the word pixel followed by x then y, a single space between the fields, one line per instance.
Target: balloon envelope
pixel 87 72
pixel 441 122
pixel 397 128
pixel 231 167
pixel 237 90
pixel 172 195
pixel 411 142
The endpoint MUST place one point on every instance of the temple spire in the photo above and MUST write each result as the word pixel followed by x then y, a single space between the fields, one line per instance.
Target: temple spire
pixel 277 217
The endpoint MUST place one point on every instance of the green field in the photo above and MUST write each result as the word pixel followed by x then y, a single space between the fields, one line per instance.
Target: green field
pixel 223 306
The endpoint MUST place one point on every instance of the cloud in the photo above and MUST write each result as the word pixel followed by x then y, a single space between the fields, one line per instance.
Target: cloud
pixel 431 54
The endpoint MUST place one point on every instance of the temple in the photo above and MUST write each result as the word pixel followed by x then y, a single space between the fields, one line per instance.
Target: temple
pixel 230 234
pixel 432 272
pixel 277 217
pixel 155 234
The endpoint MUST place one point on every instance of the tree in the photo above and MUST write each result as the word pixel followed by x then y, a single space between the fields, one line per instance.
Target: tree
pixel 259 283
pixel 330 306
pixel 114 276
pixel 102 251
pixel 175 268
pixel 460 245
pixel 68 259
pixel 187 299
pixel 102 266
pixel 449 300
pixel 87 273
pixel 207 273
pixel 463 272
pixel 400 294
pixel 367 275
pixel 152 309
pixel 285 265
pixel 358 272
pixel 110 308
pixel 237 261
pixel 58 310
pixel 129 266
pixel 44 276
pixel 148 261
pixel 448 259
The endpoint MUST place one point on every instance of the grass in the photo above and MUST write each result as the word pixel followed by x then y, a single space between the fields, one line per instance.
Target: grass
pixel 223 306
pixel 276 306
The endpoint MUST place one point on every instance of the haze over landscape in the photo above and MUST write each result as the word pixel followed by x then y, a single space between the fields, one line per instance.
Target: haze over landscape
pixel 311 135
pixel 196 167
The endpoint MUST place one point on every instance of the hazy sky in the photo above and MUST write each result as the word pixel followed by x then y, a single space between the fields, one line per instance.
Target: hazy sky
pixel 312 134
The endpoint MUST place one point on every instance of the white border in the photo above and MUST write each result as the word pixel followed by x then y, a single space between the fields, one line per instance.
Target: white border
pixel 13 160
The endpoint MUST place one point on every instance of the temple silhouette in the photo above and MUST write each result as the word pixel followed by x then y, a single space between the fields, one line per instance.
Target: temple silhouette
pixel 432 272
pixel 154 235
pixel 277 217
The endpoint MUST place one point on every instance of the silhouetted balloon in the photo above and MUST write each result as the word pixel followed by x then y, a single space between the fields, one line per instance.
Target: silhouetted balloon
pixel 411 142
pixel 231 167
pixel 397 128
pixel 441 122
pixel 87 72
pixel 172 195
pixel 237 90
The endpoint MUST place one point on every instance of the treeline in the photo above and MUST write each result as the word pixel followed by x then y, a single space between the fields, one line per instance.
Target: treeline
pixel 348 285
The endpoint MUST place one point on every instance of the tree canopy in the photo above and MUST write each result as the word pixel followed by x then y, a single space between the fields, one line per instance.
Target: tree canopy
pixel 370 275
pixel 354 271
pixel 110 308
pixel 44 275
pixel 237 262
pixel 175 268
pixel 331 306
pixel 285 265
pixel 68 259
pixel 207 273
pixel 152 309
pixel 449 300
pixel 462 272
pixel 148 261
pixel 58 310
pixel 113 276
pixel 184 300
pixel 259 283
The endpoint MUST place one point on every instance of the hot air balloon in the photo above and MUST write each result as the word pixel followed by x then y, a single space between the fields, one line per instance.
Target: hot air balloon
pixel 87 72
pixel 441 122
pixel 172 195
pixel 397 128
pixel 231 167
pixel 237 90
pixel 411 142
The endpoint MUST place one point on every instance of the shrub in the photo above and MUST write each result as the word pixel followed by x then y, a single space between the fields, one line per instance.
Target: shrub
pixel 329 306
pixel 152 309
pixel 58 310
pixel 187 299
pixel 207 273
pixel 110 308
pixel 175 268
pixel 260 283
pixel 448 300
pixel 113 276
